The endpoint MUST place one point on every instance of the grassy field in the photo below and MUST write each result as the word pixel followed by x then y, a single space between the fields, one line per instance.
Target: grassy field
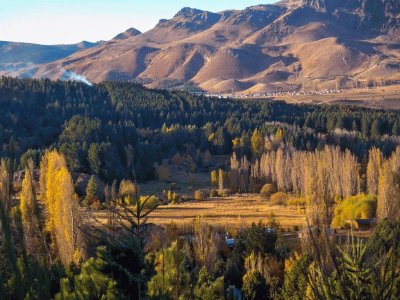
pixel 230 212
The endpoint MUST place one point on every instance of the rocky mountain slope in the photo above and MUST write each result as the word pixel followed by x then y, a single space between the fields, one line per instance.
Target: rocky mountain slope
pixel 262 48
pixel 15 57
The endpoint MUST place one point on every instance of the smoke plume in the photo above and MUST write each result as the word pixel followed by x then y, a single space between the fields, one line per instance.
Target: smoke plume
pixel 70 75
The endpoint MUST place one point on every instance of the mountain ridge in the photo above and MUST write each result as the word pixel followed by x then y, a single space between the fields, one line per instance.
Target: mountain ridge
pixel 264 47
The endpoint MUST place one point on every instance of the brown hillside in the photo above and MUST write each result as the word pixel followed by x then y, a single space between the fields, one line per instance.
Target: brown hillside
pixel 256 49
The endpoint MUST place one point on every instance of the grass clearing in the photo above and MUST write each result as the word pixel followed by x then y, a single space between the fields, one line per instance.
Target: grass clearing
pixel 231 212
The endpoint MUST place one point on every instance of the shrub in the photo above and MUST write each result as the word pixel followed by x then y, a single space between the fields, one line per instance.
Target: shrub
pixel 213 193
pixel 355 207
pixel 151 203
pixel 199 195
pixel 296 201
pixel 224 192
pixel 279 198
pixel 267 190
pixel 96 205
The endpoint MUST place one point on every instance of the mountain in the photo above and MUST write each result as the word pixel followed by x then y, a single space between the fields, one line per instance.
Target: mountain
pixel 127 34
pixel 258 49
pixel 15 57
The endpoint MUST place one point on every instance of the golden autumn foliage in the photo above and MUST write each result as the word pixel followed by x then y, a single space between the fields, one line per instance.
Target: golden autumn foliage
pixel 62 205
pixel 128 191
pixel 375 160
pixel 150 202
pixel 257 142
pixel 214 178
pixel 356 207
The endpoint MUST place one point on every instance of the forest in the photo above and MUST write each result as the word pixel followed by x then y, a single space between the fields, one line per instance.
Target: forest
pixel 333 164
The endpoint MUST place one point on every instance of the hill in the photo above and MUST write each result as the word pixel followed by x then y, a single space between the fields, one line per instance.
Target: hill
pixel 22 57
pixel 262 48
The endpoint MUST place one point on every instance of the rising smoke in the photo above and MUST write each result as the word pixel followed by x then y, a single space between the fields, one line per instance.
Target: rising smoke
pixel 70 75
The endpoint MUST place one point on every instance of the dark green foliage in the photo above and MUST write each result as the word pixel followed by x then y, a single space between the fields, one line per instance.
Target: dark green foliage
pixel 260 239
pixel 92 282
pixel 385 238
pixel 296 282
pixel 94 158
pixel 232 274
pixel 255 287
pixel 91 192
pixel 110 128
pixel 208 288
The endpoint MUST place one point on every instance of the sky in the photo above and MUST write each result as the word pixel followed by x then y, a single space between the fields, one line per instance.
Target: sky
pixel 71 21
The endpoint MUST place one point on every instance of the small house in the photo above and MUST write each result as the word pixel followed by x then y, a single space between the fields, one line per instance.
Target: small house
pixel 365 224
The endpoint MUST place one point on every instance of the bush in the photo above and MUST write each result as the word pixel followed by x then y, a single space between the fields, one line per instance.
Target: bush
pixel 151 203
pixel 224 192
pixel 355 207
pixel 279 198
pixel 96 205
pixel 267 190
pixel 199 195
pixel 213 193
pixel 295 201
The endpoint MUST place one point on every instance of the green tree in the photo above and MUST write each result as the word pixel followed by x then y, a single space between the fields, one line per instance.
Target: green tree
pixel 172 279
pixel 365 126
pixel 245 145
pixel 232 274
pixel 257 143
pixel 295 285
pixel 208 289
pixel 376 129
pixel 254 286
pixel 395 128
pixel 91 191
pixel 94 158
pixel 260 239
pixel 91 282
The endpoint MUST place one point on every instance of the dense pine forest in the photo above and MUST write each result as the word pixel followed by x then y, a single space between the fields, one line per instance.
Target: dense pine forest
pixel 333 165
pixel 110 128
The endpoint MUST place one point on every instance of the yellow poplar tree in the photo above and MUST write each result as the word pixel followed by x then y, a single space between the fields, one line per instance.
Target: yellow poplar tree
pixel 375 159
pixel 214 178
pixel 257 142
pixel 62 205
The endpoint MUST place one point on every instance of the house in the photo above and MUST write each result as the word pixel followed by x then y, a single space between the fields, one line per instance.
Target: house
pixel 365 224
pixel 230 242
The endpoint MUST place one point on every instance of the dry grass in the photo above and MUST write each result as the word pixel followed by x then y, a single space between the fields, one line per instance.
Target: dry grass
pixel 231 212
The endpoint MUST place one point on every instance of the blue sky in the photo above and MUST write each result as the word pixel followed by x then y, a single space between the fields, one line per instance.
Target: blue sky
pixel 71 21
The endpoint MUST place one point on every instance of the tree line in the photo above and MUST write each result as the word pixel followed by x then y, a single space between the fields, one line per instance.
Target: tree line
pixel 111 128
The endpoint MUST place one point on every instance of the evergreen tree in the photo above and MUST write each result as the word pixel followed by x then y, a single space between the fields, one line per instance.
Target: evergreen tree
pixel 94 158
pixel 172 279
pixel 376 129
pixel 91 192
pixel 254 286
pixel 91 282
pixel 35 243
pixel 260 239
pixel 208 289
